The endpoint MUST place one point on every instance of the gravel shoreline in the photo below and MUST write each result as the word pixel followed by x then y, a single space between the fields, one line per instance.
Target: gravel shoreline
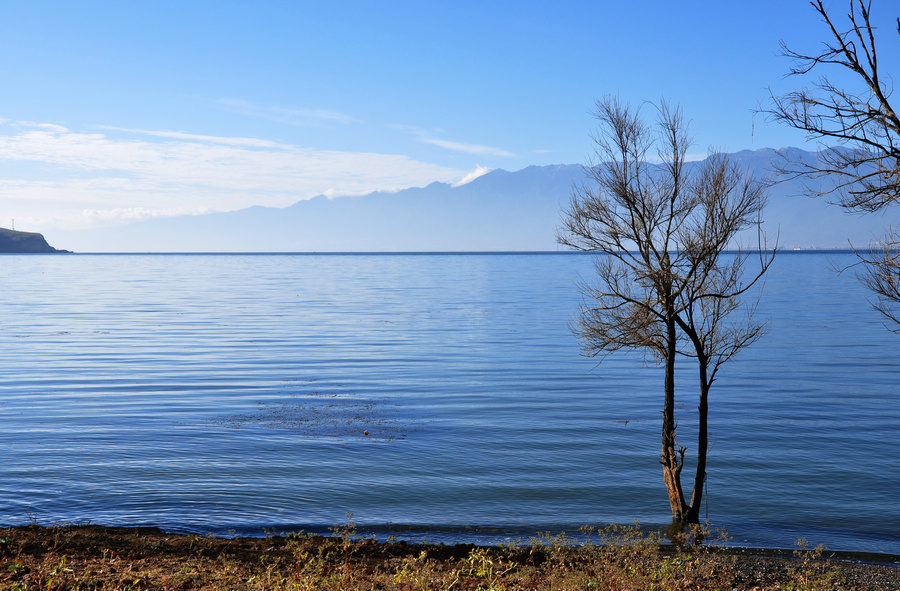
pixel 859 570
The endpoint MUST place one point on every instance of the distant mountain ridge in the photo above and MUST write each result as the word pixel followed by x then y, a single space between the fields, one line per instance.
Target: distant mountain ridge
pixel 13 242
pixel 498 211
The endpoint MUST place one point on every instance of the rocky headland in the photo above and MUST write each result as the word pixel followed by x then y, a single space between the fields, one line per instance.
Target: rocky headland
pixel 12 241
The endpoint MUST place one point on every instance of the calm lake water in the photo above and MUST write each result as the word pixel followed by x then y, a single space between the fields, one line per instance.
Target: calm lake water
pixel 233 393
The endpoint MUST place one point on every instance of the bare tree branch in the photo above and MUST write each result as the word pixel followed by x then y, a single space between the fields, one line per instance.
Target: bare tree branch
pixel 858 132
pixel 882 276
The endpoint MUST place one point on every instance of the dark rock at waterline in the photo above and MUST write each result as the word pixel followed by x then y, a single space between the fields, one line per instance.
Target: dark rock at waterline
pixel 12 241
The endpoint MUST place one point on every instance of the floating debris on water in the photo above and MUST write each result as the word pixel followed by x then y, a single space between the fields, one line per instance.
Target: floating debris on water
pixel 325 414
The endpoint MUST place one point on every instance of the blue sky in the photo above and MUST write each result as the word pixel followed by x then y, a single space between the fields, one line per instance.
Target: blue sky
pixel 117 111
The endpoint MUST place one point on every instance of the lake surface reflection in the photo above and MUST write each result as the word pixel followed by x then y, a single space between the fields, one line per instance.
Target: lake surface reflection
pixel 437 397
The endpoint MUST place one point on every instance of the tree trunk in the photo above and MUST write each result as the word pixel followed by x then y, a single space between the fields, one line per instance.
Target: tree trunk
pixel 693 514
pixel 672 457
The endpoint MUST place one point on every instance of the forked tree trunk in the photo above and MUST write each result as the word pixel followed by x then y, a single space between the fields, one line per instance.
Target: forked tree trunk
pixel 693 514
pixel 672 458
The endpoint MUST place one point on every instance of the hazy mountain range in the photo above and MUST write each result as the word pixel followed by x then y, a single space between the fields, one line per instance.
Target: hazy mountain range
pixel 501 210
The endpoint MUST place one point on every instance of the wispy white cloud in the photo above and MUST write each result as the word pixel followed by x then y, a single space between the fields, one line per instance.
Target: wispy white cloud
pixel 479 171
pixel 468 148
pixel 288 115
pixel 32 124
pixel 687 158
pixel 90 178
pixel 124 215
pixel 178 135
pixel 428 138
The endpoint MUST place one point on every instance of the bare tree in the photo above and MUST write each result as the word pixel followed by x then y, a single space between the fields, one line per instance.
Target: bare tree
pixel 882 276
pixel 665 283
pixel 859 134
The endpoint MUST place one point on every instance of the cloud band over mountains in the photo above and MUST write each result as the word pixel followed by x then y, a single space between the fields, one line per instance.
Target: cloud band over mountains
pixel 115 174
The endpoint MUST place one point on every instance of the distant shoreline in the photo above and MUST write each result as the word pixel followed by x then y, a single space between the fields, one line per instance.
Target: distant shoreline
pixel 416 253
